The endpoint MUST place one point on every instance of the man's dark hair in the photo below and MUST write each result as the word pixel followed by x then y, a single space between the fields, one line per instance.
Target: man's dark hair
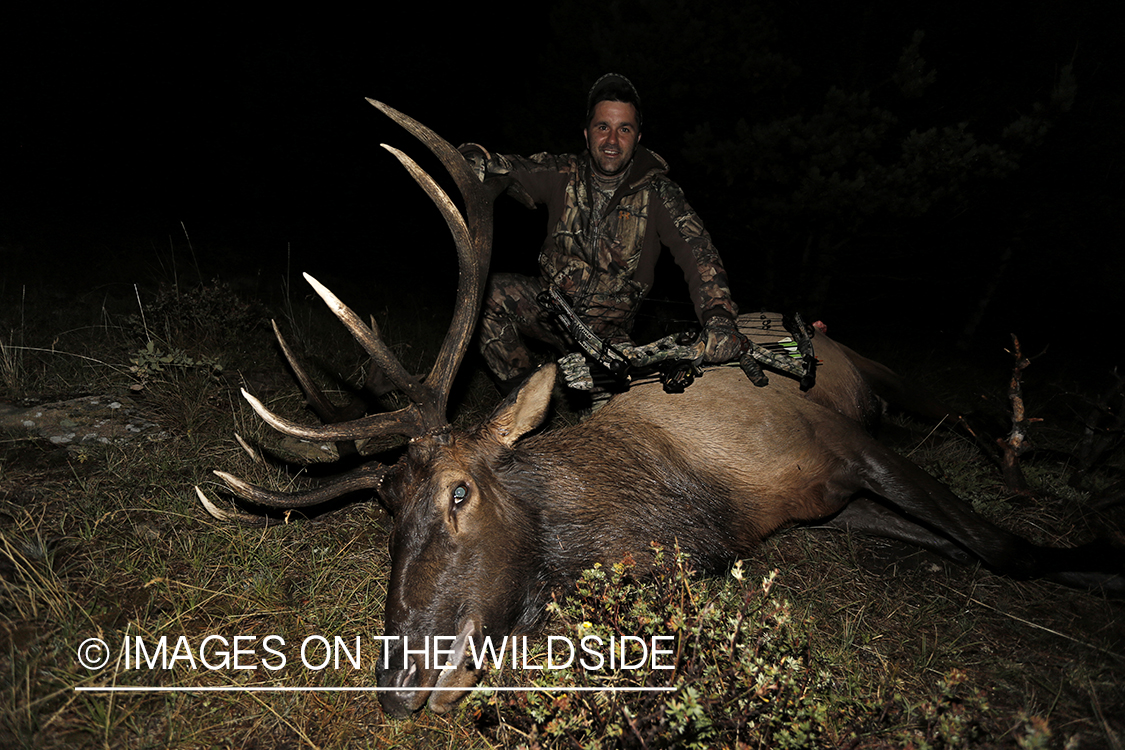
pixel 613 88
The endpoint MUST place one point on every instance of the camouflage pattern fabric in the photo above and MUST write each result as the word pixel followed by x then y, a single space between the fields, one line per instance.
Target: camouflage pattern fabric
pixel 604 261
pixel 512 314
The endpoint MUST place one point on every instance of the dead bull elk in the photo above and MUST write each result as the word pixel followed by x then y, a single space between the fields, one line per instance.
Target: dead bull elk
pixel 489 521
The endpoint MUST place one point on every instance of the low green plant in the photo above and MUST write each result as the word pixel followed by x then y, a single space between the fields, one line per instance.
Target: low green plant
pixel 740 673
pixel 151 361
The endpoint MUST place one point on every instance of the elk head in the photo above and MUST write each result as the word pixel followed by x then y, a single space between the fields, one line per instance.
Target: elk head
pixel 435 499
pixel 463 554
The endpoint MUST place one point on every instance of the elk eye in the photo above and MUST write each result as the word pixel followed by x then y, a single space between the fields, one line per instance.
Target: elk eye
pixel 460 492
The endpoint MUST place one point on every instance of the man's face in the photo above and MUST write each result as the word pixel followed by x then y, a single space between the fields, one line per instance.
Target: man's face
pixel 612 136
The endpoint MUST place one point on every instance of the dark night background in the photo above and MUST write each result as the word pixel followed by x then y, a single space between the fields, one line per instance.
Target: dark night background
pixel 252 131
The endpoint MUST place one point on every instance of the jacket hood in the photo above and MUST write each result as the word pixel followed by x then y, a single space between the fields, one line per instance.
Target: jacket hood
pixel 647 164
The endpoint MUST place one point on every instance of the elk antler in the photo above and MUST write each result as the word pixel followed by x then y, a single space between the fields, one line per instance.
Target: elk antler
pixel 472 234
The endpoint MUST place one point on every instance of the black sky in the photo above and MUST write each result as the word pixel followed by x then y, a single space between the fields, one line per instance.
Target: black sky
pixel 227 120
pixel 251 130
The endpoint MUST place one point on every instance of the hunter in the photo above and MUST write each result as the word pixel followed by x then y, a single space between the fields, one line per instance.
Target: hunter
pixel 610 209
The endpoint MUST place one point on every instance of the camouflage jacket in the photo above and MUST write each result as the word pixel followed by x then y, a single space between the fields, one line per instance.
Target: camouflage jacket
pixel 606 263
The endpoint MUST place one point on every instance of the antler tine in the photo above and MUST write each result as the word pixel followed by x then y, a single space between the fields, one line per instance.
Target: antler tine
pixel 230 516
pixel 381 359
pixel 450 157
pixel 318 402
pixel 472 234
pixel 406 421
pixel 364 477
pixel 372 342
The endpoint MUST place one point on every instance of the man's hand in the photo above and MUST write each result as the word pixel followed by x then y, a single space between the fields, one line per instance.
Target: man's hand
pixel 723 342
pixel 477 157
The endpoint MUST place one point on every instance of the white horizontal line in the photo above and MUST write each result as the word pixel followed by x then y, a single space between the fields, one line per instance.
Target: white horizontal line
pixel 267 689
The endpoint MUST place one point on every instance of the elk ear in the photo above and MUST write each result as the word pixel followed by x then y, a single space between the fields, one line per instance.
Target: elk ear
pixel 524 409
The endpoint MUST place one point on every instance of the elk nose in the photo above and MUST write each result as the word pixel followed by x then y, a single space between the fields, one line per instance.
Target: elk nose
pixel 399 695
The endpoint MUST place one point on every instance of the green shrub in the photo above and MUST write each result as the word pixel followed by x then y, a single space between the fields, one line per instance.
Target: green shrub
pixel 741 670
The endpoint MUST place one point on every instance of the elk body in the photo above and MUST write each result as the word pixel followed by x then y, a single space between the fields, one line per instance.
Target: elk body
pixel 488 522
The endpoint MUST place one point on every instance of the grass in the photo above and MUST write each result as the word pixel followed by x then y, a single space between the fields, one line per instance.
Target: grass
pixel 853 642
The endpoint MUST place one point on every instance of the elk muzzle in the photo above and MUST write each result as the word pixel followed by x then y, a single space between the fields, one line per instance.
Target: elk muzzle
pixel 409 673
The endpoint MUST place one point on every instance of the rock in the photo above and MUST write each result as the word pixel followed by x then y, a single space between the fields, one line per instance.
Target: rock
pixel 90 419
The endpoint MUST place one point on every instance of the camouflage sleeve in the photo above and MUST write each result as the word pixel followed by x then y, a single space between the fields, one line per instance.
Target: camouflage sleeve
pixel 680 228
pixel 535 178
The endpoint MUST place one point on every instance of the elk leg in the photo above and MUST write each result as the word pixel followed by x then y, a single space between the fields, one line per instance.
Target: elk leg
pixel 930 505
pixel 926 501
pixel 870 517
